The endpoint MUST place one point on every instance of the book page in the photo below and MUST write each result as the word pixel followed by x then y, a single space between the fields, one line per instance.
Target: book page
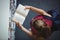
pixel 19 18
pixel 20 14
pixel 21 10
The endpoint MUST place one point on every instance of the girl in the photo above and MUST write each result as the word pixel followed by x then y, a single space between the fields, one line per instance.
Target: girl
pixel 40 25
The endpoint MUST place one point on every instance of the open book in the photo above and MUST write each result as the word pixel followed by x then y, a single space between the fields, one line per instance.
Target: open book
pixel 20 14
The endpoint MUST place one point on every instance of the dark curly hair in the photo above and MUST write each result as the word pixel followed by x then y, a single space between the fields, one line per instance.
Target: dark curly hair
pixel 43 31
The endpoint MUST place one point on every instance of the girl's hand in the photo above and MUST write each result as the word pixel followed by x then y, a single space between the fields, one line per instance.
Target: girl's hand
pixel 27 7
pixel 19 25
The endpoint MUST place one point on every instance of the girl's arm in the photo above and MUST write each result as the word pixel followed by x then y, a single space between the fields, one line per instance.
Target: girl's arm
pixel 23 28
pixel 39 11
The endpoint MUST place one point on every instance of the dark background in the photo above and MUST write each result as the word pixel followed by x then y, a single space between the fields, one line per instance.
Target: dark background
pixel 43 4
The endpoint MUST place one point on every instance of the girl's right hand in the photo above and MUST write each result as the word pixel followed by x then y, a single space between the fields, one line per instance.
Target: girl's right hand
pixel 27 7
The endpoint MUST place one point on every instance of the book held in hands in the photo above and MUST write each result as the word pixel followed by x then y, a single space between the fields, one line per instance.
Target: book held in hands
pixel 20 14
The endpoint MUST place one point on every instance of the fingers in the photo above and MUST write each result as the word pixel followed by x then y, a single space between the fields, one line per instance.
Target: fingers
pixel 27 7
pixel 15 21
pixel 18 24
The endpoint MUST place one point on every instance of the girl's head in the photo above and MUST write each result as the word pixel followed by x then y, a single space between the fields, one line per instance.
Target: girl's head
pixel 41 27
pixel 39 23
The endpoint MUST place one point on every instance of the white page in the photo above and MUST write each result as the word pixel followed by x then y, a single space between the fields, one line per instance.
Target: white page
pixel 19 18
pixel 20 14
pixel 21 10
